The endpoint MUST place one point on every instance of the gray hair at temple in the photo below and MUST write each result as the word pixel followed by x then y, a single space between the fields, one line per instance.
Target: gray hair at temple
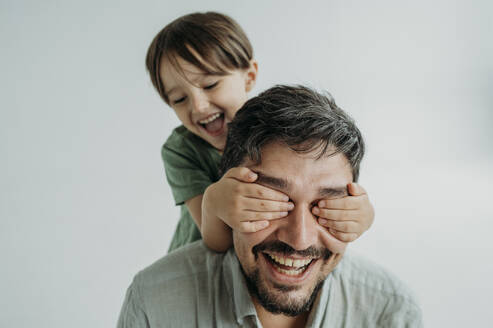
pixel 299 117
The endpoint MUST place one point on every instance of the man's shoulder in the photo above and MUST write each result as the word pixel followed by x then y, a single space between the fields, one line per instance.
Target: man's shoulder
pixel 180 287
pixel 191 260
pixel 173 281
pixel 360 271
pixel 370 290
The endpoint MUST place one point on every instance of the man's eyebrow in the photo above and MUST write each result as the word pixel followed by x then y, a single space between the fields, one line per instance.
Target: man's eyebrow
pixel 282 184
pixel 277 183
pixel 333 192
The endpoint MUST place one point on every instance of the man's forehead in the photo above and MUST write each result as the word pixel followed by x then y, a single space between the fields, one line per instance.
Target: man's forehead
pixel 324 188
pixel 285 169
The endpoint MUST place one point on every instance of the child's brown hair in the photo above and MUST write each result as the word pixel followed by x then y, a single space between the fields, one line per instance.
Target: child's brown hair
pixel 211 41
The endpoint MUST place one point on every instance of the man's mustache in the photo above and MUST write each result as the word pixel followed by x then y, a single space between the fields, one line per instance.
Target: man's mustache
pixel 277 246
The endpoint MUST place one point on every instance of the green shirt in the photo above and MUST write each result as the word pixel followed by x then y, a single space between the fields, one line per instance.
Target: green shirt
pixel 196 287
pixel 191 164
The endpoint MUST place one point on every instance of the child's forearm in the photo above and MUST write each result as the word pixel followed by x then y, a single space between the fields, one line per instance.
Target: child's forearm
pixel 215 233
pixel 194 206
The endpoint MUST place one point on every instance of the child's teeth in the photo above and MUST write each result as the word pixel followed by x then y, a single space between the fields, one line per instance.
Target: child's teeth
pixel 210 119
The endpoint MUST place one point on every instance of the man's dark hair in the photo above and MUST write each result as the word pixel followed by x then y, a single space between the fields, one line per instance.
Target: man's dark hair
pixel 297 116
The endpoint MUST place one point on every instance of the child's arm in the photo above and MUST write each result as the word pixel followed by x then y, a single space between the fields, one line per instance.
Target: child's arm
pixel 194 206
pixel 348 217
pixel 236 202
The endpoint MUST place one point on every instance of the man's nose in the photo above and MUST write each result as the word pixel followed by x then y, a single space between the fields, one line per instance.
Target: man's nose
pixel 200 102
pixel 299 229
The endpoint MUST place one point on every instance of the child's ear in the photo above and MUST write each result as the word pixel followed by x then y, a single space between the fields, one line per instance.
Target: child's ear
pixel 251 75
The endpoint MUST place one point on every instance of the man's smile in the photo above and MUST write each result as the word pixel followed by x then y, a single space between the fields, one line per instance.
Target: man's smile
pixel 287 266
pixel 293 271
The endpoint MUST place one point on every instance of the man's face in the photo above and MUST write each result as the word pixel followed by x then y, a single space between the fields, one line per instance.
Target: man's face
pixel 286 263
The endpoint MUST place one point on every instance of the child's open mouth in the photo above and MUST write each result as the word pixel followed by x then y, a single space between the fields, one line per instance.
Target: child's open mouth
pixel 213 124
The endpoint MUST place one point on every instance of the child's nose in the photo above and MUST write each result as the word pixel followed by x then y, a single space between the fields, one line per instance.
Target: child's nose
pixel 200 102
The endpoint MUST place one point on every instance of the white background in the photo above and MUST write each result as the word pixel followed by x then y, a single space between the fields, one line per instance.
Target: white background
pixel 84 203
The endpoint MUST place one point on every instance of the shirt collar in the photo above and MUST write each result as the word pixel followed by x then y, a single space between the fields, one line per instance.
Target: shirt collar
pixel 243 305
pixel 321 304
pixel 237 288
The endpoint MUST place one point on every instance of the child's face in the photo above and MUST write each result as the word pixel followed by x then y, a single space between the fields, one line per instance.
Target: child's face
pixel 208 102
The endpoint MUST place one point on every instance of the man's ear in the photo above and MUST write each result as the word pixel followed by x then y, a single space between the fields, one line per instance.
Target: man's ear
pixel 251 75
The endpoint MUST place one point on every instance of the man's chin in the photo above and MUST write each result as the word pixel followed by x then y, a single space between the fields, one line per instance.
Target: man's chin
pixel 281 299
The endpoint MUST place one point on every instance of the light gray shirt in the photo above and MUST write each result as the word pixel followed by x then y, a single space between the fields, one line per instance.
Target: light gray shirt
pixel 196 287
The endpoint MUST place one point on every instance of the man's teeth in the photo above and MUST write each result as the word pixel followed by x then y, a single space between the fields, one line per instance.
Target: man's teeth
pixel 296 264
pixel 210 118
pixel 290 272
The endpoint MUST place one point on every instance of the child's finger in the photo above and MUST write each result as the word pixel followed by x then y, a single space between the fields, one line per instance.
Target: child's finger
pixel 344 237
pixel 257 191
pixel 261 216
pixel 335 214
pixel 265 205
pixel 241 173
pixel 252 226
pixel 346 203
pixel 341 226
pixel 355 189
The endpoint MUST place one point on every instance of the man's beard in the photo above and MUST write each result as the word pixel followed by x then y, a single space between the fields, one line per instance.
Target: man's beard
pixel 272 302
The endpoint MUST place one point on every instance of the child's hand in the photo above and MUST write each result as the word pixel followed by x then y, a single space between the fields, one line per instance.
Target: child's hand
pixel 348 217
pixel 244 205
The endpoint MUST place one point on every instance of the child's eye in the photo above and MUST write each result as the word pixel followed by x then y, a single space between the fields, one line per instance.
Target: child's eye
pixel 211 86
pixel 179 100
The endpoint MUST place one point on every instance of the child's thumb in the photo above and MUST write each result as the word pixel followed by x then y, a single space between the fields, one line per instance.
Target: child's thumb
pixel 355 189
pixel 243 174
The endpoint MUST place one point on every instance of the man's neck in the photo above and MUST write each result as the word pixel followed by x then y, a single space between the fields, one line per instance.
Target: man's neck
pixel 269 319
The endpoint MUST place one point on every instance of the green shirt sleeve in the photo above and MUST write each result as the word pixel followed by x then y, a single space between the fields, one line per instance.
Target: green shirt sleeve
pixel 191 164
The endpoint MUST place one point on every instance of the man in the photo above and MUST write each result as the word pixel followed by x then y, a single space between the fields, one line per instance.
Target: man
pixel 291 274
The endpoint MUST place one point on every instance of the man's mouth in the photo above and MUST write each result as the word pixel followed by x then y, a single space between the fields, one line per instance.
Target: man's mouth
pixel 287 265
pixel 213 124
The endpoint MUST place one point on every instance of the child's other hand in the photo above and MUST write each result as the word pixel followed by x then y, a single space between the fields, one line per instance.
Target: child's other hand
pixel 246 206
pixel 348 217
